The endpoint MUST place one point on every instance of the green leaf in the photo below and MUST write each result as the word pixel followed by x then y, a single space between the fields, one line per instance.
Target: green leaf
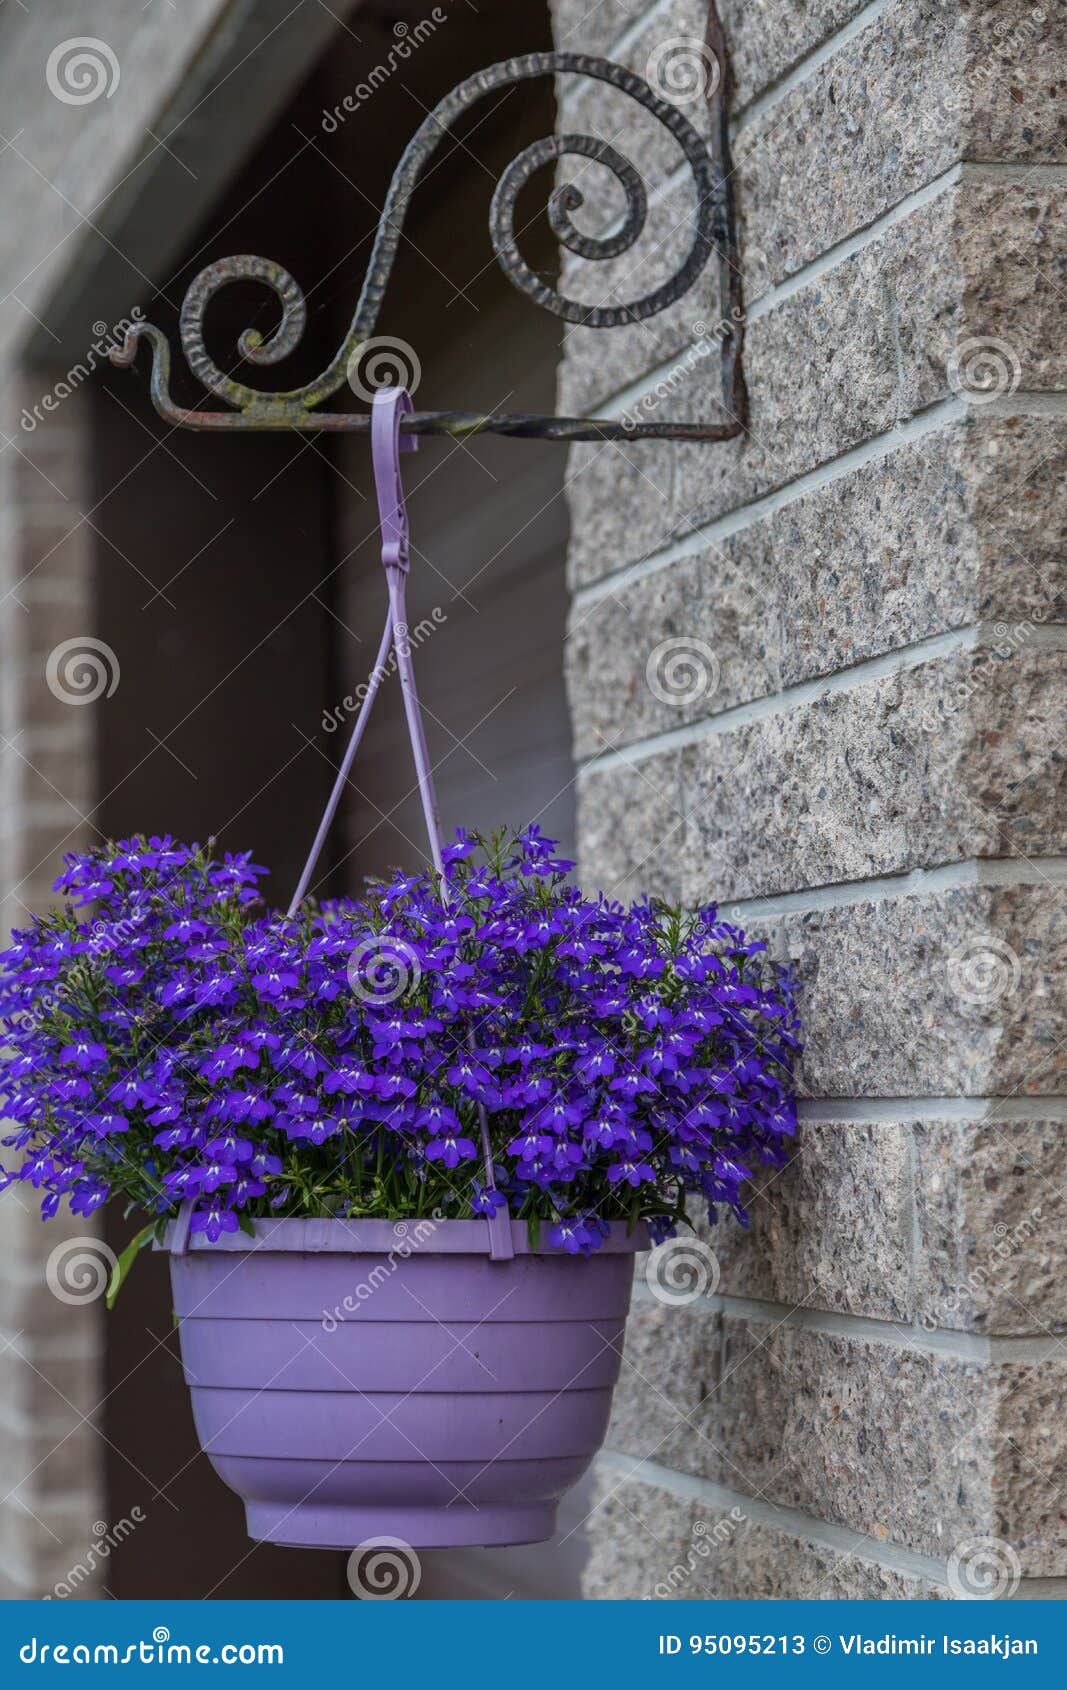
pixel 126 1261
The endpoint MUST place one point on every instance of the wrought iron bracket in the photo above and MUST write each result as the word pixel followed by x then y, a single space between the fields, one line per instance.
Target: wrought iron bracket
pixel 712 233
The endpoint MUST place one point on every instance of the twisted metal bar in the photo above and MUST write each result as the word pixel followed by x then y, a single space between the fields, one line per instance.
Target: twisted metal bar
pixel 294 409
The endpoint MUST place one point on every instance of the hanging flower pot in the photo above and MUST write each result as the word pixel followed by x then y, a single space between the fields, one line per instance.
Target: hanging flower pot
pixel 358 1379
pixel 401 1149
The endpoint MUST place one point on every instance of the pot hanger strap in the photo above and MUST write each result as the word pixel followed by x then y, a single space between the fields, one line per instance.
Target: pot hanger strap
pixel 387 443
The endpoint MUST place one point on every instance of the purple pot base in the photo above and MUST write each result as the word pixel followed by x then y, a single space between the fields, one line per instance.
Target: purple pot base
pixel 494 1526
pixel 349 1391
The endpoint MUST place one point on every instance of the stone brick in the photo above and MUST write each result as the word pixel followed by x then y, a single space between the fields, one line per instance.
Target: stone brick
pixel 37 861
pixel 636 1535
pixel 58 1547
pixel 622 502
pixel 52 546
pixel 50 707
pixel 649 1542
pixel 766 37
pixel 892 1440
pixel 49 482
pixel 1011 241
pixel 923 1443
pixel 921 87
pixel 964 526
pixel 63 774
pixel 875 338
pixel 936 993
pixel 873 123
pixel 50 1456
pixel 631 826
pixel 72 1579
pixel 665 1402
pixel 859 383
pixel 942 762
pixel 1013 105
pixel 991 1213
pixel 831 1230
pixel 60 787
pixel 897 1442
pixel 592 26
pixel 894 105
pixel 1025 1461
pixel 939 763
pixel 671 649
pixel 668 52
pixel 51 1380
pixel 1015 475
pixel 19 1572
pixel 64 1258
pixel 689 332
pixel 61 1388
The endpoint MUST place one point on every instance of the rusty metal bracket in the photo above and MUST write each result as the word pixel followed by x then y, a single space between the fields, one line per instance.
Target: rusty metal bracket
pixel 712 232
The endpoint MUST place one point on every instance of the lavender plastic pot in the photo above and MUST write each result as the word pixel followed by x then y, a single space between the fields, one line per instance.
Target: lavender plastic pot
pixel 359 1379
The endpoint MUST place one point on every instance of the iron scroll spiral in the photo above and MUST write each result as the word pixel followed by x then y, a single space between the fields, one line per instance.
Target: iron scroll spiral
pixel 563 202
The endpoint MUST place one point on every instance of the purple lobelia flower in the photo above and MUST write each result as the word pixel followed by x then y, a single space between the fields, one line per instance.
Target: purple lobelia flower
pixel 168 1039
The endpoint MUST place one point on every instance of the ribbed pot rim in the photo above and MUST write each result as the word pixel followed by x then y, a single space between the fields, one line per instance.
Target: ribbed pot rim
pixel 415 1236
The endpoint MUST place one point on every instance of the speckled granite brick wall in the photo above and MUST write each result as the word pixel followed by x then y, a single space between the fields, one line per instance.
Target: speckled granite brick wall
pixel 819 673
